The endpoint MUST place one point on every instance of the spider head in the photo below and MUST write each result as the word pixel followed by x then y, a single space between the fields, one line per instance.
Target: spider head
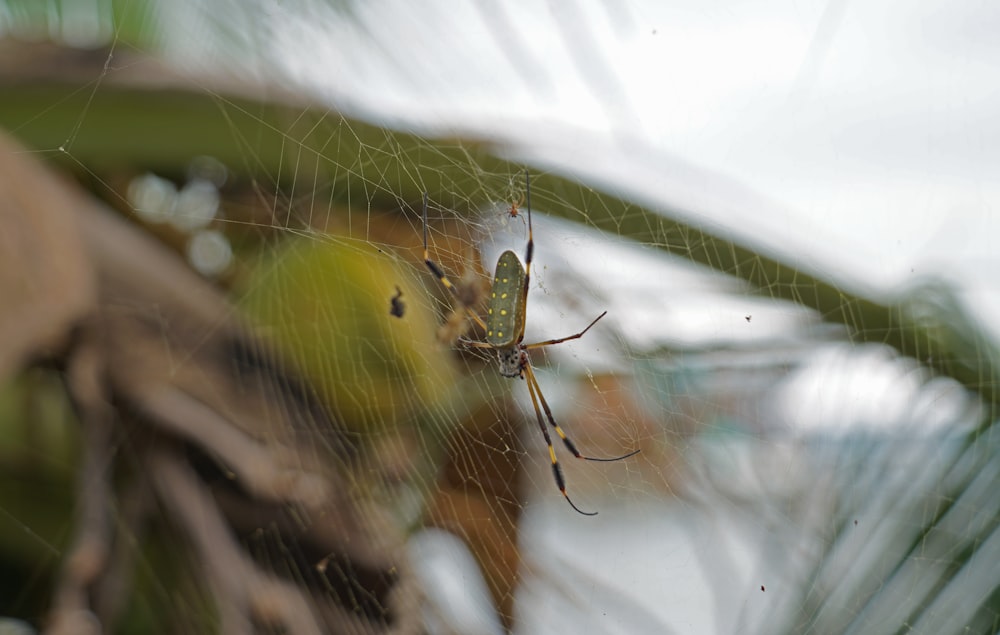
pixel 511 362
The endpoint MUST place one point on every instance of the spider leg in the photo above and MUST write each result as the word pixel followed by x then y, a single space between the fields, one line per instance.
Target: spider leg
pixel 528 257
pixel 530 251
pixel 475 344
pixel 556 468
pixel 436 270
pixel 565 339
pixel 562 435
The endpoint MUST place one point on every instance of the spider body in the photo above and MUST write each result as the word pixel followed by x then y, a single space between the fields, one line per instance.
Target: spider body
pixel 508 303
pixel 515 210
pixel 511 361
pixel 504 327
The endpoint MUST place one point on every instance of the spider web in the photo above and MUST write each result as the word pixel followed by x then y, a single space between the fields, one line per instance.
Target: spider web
pixel 816 444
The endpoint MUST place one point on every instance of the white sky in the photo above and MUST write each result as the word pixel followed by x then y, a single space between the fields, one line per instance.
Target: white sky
pixel 859 141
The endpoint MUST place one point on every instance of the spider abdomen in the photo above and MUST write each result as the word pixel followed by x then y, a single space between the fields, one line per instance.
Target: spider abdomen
pixel 505 313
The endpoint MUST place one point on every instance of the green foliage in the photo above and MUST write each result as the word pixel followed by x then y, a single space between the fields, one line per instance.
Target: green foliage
pixel 326 304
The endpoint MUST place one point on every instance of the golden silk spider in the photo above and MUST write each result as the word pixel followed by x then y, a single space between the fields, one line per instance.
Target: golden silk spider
pixel 504 328
pixel 514 211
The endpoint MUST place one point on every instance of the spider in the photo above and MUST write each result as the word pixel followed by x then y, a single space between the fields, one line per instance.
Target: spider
pixel 504 327
pixel 514 211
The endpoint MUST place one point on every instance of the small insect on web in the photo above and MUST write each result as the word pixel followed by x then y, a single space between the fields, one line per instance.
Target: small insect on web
pixel 396 305
pixel 504 327
pixel 514 211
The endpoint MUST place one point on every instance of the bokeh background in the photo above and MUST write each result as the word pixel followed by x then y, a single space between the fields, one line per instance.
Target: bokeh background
pixel 787 209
